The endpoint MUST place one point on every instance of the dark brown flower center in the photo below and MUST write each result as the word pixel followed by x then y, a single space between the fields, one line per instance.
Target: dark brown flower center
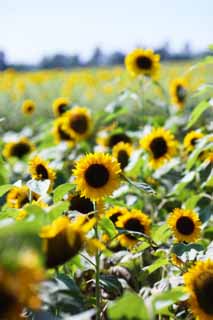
pixel 62 108
pixel 181 93
pixel 158 147
pixel 79 124
pixel 204 292
pixel 114 217
pixel 42 172
pixel 123 158
pixel 29 108
pixel 20 149
pixel 97 175
pixel 194 141
pixel 81 204
pixel 7 302
pixel 134 225
pixel 118 137
pixel 144 63
pixel 185 225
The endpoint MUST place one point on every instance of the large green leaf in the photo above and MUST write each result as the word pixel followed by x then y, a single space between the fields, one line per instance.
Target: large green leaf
pixel 197 112
pixel 61 190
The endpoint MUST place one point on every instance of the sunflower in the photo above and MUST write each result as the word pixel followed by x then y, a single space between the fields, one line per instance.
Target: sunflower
pixel 18 288
pixel 40 170
pixel 144 62
pixel 63 239
pixel 77 122
pixel 17 197
pixel 185 225
pixel 111 140
pixel 115 212
pixel 60 106
pixel 96 175
pixel 176 261
pixel 80 204
pixel 122 152
pixel 161 145
pixel 199 284
pixel 28 107
pixel 191 139
pixel 178 92
pixel 60 134
pixel 18 149
pixel 136 221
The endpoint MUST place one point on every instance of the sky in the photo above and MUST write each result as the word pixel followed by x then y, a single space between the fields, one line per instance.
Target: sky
pixel 30 29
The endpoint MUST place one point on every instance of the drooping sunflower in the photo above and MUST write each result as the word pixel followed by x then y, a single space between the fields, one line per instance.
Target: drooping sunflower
pixel 28 107
pixel 17 197
pixel 18 149
pixel 19 288
pixel 178 91
pixel 115 212
pixel 122 152
pixel 78 122
pixel 136 221
pixel 144 62
pixel 161 145
pixel 63 239
pixel 60 106
pixel 60 134
pixel 199 284
pixel 185 225
pixel 80 204
pixel 110 140
pixel 97 175
pixel 40 170
pixel 191 139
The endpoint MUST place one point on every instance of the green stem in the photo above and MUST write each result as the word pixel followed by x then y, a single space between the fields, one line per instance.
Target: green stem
pixel 97 281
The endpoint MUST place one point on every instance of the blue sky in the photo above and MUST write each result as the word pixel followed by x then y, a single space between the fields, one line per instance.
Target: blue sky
pixel 31 29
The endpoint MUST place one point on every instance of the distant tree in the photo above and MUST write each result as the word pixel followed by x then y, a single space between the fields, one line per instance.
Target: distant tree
pixel 3 64
pixel 116 58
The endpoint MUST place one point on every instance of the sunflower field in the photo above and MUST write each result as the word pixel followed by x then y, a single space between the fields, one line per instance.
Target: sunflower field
pixel 106 192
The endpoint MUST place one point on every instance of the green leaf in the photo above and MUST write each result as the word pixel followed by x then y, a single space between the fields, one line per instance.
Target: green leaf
pixel 61 190
pixel 208 233
pixel 197 112
pixel 160 234
pixel 129 306
pixel 192 201
pixel 111 285
pixel 157 264
pixel 5 188
pixel 162 301
pixel 180 248
pixel 108 227
pixel 140 185
pixel 183 182
pixel 57 210
pixel 210 46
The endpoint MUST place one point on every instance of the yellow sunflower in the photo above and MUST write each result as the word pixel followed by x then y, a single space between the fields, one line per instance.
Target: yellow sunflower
pixel 115 212
pixel 161 145
pixel 18 149
pixel 144 62
pixel 178 91
pixel 17 197
pixel 60 106
pixel 63 239
pixel 60 134
pixel 80 204
pixel 28 107
pixel 78 122
pixel 185 225
pixel 122 152
pixel 40 170
pixel 191 139
pixel 110 140
pixel 176 261
pixel 136 221
pixel 19 288
pixel 199 284
pixel 97 175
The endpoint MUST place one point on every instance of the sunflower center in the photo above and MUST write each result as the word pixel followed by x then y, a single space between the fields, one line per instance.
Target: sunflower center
pixel 204 292
pixel 185 225
pixel 79 124
pixel 158 147
pixel 97 175
pixel 123 158
pixel 30 108
pixel 118 137
pixel 63 134
pixel 114 217
pixel 193 141
pixel 181 93
pixel 6 302
pixel 20 149
pixel 81 204
pixel 144 63
pixel 134 225
pixel 42 172
pixel 62 108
